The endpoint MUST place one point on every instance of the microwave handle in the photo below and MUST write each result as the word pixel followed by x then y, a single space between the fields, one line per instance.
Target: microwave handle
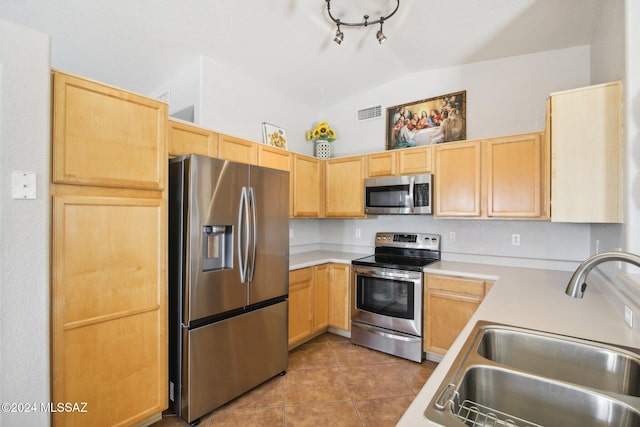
pixel 412 183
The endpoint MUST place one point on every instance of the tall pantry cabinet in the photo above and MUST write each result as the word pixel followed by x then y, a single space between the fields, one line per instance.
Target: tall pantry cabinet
pixel 108 278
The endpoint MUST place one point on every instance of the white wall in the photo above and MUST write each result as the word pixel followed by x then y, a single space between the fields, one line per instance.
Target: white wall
pixel 504 96
pixel 24 224
pixel 232 103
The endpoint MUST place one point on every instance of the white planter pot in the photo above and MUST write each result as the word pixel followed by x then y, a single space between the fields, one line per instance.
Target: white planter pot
pixel 323 149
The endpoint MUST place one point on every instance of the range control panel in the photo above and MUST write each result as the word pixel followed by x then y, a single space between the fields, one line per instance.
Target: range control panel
pixel 408 240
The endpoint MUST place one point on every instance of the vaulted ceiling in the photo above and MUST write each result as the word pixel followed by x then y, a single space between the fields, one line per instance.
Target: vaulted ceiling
pixel 288 44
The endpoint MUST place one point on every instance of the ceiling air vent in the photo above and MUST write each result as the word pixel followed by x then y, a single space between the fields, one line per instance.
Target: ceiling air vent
pixel 368 113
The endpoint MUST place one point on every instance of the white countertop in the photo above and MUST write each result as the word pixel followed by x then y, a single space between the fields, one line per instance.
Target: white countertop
pixel 529 298
pixel 525 297
pixel 311 258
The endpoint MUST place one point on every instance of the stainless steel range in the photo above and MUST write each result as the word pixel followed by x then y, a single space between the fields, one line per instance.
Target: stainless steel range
pixel 389 289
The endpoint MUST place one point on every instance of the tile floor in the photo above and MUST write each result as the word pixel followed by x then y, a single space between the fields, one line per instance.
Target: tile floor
pixel 329 382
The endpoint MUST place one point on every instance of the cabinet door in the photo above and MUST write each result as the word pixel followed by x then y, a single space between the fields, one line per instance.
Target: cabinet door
pixel 104 136
pixel 339 298
pixel 237 150
pixel 414 160
pixel 274 158
pixel 108 308
pixel 321 297
pixel 300 305
pixel 381 164
pixel 345 187
pixel 187 139
pixel 308 186
pixel 449 304
pixel 457 179
pixel 586 147
pixel 514 176
pixel 446 315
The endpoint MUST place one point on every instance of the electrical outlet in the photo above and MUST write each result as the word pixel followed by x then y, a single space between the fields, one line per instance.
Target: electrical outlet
pixel 452 236
pixel 515 239
pixel 291 233
pixel 358 233
pixel 628 316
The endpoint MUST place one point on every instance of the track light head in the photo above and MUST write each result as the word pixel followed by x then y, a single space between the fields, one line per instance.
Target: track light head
pixel 339 34
pixel 381 37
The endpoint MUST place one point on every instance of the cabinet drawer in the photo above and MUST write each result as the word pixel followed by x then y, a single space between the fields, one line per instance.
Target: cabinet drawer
pixel 456 284
pixel 300 276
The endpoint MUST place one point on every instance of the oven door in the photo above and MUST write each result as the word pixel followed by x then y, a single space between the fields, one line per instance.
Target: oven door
pixel 388 298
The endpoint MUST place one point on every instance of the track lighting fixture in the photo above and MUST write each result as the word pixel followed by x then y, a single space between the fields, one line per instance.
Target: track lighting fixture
pixel 379 35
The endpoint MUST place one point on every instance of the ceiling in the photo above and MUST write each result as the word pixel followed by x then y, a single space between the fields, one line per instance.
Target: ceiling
pixel 288 44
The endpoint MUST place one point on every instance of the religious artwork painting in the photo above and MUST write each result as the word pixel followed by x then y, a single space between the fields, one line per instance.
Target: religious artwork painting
pixel 428 121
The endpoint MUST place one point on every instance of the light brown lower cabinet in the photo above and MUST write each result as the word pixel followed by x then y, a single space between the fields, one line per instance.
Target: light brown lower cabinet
pixel 450 302
pixel 318 298
pixel 301 300
pixel 339 296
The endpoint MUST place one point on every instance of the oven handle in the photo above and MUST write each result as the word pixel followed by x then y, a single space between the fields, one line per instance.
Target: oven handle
pixel 410 275
pixel 395 336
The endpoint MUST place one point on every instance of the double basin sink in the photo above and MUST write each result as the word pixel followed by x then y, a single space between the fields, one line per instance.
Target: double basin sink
pixel 510 376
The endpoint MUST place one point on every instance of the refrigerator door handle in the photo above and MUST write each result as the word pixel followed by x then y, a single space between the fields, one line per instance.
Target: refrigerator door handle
pixel 254 231
pixel 243 247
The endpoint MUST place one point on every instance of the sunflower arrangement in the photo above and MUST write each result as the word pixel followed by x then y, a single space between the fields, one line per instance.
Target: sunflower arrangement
pixel 322 131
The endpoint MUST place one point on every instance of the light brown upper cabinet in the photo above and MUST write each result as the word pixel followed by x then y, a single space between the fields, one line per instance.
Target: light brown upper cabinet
pixel 406 161
pixel 237 149
pixel 345 187
pixel 275 158
pixel 498 177
pixel 586 135
pixel 458 179
pixel 514 176
pixel 308 186
pixel 104 136
pixel 381 164
pixel 187 139
pixel 415 160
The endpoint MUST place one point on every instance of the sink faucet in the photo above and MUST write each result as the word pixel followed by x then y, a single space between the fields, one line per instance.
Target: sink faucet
pixel 577 283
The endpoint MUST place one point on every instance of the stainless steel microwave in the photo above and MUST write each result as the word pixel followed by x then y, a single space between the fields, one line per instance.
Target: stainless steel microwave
pixel 411 194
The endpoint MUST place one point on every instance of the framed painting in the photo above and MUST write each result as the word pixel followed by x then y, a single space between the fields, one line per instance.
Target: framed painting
pixel 274 136
pixel 428 121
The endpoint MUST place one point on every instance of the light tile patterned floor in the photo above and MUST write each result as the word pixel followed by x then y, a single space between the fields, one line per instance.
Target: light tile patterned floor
pixel 329 382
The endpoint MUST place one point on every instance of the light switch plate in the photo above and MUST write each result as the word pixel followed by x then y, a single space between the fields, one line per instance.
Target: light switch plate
pixel 23 185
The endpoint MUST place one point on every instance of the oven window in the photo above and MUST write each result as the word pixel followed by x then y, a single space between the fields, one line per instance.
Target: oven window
pixel 393 196
pixel 388 297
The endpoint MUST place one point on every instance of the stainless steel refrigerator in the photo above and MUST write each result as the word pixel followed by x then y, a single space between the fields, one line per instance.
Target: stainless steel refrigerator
pixel 228 280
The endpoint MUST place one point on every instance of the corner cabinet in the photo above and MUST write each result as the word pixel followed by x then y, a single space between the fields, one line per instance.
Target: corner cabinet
pixel 586 150
pixel 449 304
pixel 108 261
pixel 345 187
pixel 318 299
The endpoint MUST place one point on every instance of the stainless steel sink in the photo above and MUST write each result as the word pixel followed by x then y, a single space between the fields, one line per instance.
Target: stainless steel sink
pixel 510 376
pixel 577 361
